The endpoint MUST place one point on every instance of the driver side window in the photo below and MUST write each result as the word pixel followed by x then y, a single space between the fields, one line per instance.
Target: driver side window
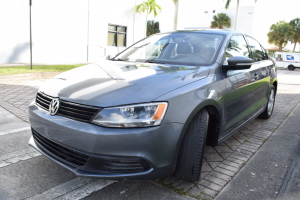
pixel 237 47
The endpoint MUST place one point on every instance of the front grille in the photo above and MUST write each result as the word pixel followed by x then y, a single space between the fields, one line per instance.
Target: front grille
pixel 101 164
pixel 68 109
pixel 54 149
pixel 43 100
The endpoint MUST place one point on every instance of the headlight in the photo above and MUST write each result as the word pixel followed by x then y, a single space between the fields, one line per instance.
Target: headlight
pixel 139 115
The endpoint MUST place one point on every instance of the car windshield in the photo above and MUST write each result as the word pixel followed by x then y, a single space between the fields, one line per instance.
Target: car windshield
pixel 181 48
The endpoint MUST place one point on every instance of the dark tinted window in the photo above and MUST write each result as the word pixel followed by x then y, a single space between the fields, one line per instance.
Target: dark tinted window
pixel 116 35
pixel 237 47
pixel 257 52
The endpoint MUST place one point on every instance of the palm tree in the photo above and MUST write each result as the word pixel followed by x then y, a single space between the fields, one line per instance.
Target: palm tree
pixel 220 20
pixel 152 27
pixel 237 11
pixel 149 6
pixel 176 3
pixel 279 34
pixel 295 31
pixel 133 22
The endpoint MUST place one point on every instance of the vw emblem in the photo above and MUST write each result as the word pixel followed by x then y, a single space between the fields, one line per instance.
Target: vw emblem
pixel 54 106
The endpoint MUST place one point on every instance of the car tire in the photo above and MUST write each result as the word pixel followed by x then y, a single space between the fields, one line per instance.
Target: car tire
pixel 266 114
pixel 291 67
pixel 191 152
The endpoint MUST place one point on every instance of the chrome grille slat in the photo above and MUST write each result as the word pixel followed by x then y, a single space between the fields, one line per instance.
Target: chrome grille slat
pixel 76 110
pixel 72 114
pixel 42 105
pixel 43 100
pixel 68 109
pixel 75 106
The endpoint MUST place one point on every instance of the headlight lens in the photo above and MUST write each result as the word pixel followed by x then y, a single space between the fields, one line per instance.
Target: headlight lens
pixel 139 115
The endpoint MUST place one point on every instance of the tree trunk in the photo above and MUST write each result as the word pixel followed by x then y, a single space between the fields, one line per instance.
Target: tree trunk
pixel 294 47
pixel 146 22
pixel 176 16
pixel 133 22
pixel 280 47
pixel 237 14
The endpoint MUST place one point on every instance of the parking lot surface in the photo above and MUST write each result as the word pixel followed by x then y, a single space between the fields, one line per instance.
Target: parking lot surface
pixel 25 174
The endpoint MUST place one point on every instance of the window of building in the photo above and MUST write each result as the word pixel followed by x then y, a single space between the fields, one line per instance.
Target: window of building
pixel 237 47
pixel 257 51
pixel 116 35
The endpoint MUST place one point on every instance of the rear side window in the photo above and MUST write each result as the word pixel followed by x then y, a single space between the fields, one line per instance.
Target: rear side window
pixel 237 47
pixel 258 53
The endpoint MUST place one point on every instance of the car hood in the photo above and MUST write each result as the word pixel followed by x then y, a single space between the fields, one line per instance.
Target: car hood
pixel 111 83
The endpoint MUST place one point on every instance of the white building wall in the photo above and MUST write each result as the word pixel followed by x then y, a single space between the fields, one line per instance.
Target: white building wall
pixel 198 14
pixel 191 14
pixel 14 34
pixel 68 31
pixel 59 31
pixel 254 18
pixel 116 12
pixel 166 16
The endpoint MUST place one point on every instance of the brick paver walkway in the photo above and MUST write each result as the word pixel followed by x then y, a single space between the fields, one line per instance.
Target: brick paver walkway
pixel 220 163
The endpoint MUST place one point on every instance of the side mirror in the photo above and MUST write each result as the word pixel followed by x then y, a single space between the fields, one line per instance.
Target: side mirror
pixel 238 63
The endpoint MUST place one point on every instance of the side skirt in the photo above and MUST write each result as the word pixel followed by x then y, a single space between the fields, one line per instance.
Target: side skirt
pixel 241 126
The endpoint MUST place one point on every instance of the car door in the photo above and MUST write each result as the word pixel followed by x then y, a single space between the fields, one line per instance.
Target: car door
pixel 243 98
pixel 265 64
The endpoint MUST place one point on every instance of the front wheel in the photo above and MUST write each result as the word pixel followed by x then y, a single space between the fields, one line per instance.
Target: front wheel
pixel 266 114
pixel 291 67
pixel 191 152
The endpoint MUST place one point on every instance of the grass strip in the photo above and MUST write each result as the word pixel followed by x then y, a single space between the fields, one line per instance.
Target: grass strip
pixel 35 69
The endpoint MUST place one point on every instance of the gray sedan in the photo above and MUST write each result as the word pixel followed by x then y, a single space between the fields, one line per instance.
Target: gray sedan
pixel 150 110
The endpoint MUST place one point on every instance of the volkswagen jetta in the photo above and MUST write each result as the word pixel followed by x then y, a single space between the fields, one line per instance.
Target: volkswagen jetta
pixel 150 110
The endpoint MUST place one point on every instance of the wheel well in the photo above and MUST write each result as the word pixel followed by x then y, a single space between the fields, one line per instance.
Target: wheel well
pixel 213 126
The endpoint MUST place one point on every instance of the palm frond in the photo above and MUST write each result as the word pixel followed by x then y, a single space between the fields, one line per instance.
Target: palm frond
pixel 149 6
pixel 227 4
pixel 220 20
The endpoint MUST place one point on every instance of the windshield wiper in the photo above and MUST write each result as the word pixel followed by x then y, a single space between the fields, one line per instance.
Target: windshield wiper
pixel 118 59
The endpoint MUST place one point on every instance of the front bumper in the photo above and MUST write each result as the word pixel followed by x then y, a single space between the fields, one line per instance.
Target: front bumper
pixel 112 153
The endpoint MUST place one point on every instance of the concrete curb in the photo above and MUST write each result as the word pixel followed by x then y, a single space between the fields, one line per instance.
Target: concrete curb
pixel 30 76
